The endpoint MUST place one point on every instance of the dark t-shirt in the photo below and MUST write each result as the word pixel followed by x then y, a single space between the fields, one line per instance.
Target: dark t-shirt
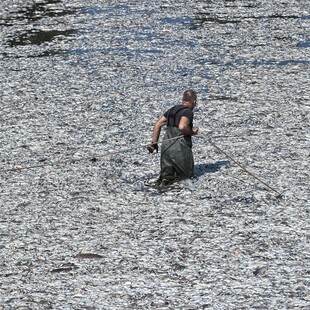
pixel 184 111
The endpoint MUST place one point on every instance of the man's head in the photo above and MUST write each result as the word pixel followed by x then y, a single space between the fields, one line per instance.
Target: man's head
pixel 189 98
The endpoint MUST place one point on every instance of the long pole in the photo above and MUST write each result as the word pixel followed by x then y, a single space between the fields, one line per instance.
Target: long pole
pixel 242 167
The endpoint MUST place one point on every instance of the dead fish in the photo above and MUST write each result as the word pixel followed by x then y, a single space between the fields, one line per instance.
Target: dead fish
pixel 89 255
pixel 65 268
pixel 260 270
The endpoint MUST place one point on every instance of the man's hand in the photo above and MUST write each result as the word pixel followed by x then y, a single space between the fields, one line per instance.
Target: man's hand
pixel 195 131
pixel 152 147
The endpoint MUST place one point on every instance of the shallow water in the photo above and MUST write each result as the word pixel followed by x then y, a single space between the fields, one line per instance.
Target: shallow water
pixel 82 84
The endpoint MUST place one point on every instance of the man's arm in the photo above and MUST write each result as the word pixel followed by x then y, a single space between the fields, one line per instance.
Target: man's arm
pixel 185 128
pixel 162 121
pixel 156 132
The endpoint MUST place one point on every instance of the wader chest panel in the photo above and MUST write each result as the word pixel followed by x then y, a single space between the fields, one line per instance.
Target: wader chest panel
pixel 177 160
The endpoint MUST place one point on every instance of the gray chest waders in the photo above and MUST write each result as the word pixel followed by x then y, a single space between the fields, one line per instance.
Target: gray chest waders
pixel 177 160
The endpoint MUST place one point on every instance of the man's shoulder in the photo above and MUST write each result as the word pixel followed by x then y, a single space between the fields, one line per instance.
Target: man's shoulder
pixel 180 109
pixel 173 109
pixel 187 111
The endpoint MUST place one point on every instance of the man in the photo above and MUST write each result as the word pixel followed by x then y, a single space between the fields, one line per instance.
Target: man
pixel 176 161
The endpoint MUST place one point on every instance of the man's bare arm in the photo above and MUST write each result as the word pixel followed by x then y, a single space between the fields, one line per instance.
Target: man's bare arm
pixel 162 121
pixel 185 128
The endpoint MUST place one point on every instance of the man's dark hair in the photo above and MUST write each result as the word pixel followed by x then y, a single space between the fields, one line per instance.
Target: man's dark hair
pixel 189 95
